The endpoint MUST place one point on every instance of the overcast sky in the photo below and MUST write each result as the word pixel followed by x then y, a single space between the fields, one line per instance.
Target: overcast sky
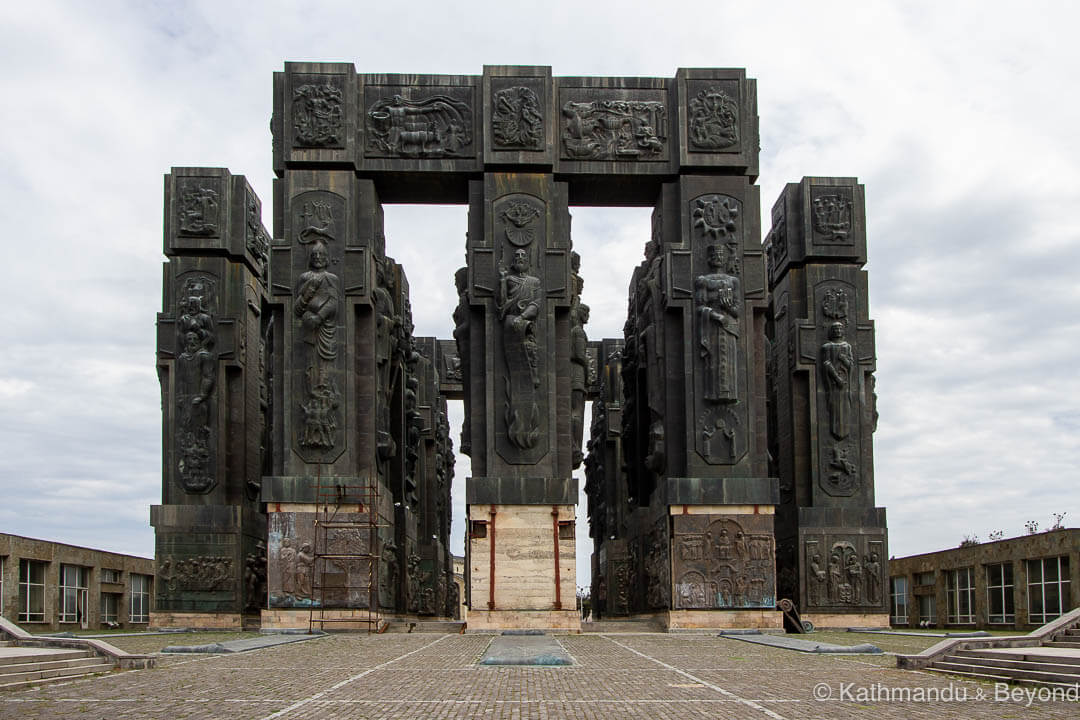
pixel 961 119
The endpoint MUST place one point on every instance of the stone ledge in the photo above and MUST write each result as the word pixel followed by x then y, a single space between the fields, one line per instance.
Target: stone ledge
pixel 521 491
pixel 722 491
pixel 564 621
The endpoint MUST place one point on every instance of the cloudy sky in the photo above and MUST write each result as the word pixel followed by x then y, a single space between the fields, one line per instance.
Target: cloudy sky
pixel 961 119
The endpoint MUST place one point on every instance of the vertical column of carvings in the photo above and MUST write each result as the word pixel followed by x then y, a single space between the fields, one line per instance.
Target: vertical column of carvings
pixel 710 269
pixel 520 281
pixel 209 531
pixel 823 393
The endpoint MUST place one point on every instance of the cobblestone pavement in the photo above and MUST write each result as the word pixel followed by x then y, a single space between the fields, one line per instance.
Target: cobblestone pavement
pixel 615 676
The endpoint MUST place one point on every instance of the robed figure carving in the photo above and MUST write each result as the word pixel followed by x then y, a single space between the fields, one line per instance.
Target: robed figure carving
pixel 317 297
pixel 838 363
pixel 717 297
pixel 518 303
pixel 196 368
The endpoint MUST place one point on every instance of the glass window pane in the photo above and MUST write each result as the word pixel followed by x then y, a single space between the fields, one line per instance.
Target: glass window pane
pixel 1007 573
pixel 1034 572
pixel 1050 570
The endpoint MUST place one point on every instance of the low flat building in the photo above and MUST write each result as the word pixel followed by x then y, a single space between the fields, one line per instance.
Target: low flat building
pixel 1015 584
pixel 53 586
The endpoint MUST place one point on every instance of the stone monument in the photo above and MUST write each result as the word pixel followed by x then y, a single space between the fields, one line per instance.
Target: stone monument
pixel 305 422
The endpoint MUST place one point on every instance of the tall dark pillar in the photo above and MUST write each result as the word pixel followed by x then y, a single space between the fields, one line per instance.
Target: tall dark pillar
pixel 833 541
pixel 209 530
pixel 521 496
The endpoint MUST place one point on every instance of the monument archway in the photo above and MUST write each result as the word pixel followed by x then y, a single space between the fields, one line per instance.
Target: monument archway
pixel 305 420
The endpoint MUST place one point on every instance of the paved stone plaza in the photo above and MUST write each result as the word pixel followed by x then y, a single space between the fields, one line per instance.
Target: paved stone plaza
pixel 615 676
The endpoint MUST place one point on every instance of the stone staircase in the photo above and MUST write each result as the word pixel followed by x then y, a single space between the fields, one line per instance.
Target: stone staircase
pixel 27 660
pixel 1049 656
pixel 22 667
pixel 1024 666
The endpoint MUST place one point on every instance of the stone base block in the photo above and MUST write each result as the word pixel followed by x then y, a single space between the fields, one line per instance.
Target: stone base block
pixel 203 621
pixel 846 620
pixel 343 619
pixel 695 619
pixel 497 620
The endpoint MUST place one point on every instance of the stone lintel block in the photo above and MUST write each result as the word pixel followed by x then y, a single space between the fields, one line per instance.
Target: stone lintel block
pixel 722 491
pixel 521 491
pixel 310 489
pixel 819 219
pixel 520 120
pixel 616 126
pixel 419 124
pixel 717 119
pixel 210 211
pixel 315 120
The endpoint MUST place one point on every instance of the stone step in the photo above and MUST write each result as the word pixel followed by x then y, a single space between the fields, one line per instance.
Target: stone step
pixel 1062 644
pixel 957 665
pixel 424 626
pixel 1075 632
pixel 973 673
pixel 38 665
pixel 620 626
pixel 1068 687
pixel 1067 672
pixel 35 677
pixel 15 656
pixel 1033 655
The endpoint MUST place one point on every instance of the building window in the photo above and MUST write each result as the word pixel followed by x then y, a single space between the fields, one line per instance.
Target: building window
pixel 3 572
pixel 1000 606
pixel 898 613
pixel 31 591
pixel 927 610
pixel 140 598
pixel 925 578
pixel 73 584
pixel 110 608
pixel 1048 589
pixel 960 593
pixel 110 576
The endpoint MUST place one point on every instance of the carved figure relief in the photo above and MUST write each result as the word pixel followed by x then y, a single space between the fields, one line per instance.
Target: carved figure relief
pixel 461 339
pixel 317 116
pixel 714 120
pixel 518 302
pixel 718 300
pixel 389 574
pixel 201 573
pixel 387 338
pixel 196 380
pixel 255 577
pixel 850 575
pixel 657 571
pixel 722 563
pixel 579 371
pixel 433 127
pixel 199 210
pixel 517 121
pixel 412 570
pixel 838 367
pixel 842 474
pixel 255 238
pixel 614 130
pixel 832 218
pixel 316 307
